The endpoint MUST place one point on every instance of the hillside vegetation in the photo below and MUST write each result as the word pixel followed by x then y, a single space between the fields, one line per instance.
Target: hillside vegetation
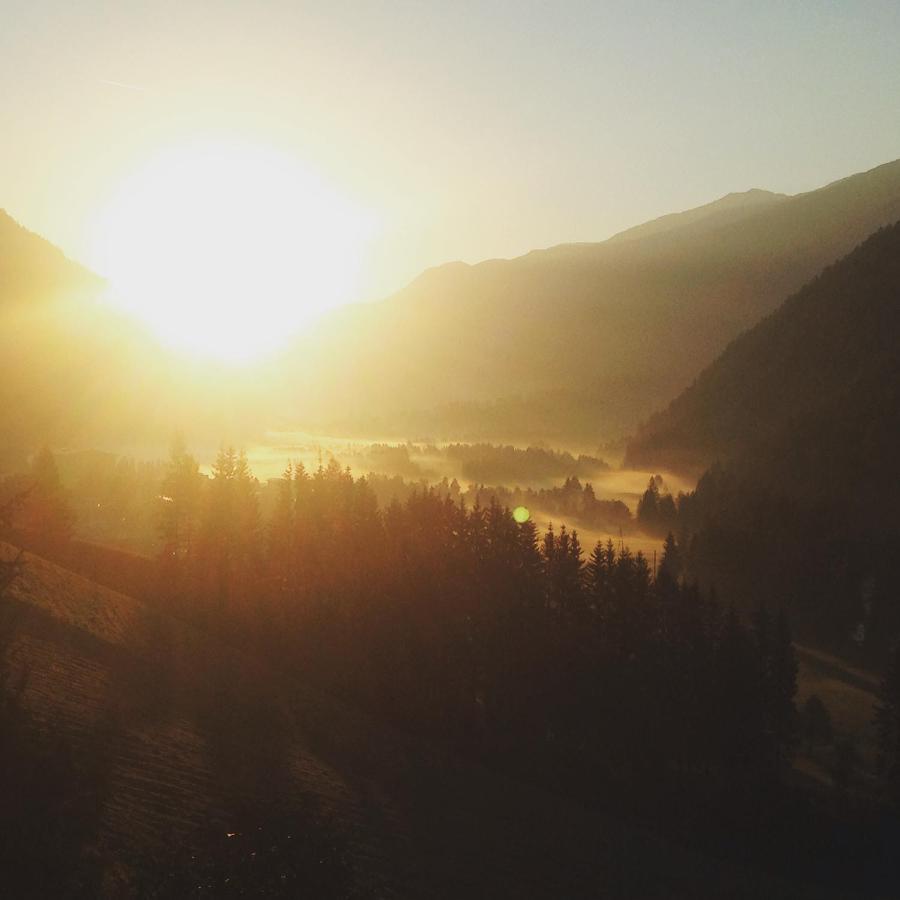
pixel 198 739
pixel 809 398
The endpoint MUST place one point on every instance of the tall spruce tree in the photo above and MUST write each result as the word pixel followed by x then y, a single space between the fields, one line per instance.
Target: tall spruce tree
pixel 670 567
pixel 648 508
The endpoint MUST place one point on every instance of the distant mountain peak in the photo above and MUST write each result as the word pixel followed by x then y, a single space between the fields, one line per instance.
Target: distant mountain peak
pixel 752 195
pixel 737 202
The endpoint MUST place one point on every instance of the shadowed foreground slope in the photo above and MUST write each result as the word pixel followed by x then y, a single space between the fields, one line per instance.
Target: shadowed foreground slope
pixel 198 739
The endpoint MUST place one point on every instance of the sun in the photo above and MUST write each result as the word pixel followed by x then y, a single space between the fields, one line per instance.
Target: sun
pixel 226 249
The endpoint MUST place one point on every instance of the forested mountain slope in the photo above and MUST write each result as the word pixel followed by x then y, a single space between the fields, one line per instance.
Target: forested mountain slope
pixel 803 413
pixel 809 398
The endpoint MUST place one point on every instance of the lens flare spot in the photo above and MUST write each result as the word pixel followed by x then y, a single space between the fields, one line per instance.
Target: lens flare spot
pixel 521 514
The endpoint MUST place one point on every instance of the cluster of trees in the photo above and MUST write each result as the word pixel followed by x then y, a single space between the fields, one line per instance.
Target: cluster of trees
pixel 837 583
pixel 657 512
pixel 118 502
pixel 404 460
pixel 571 501
pixel 458 622
pixel 470 462
pixel 502 464
pixel 838 588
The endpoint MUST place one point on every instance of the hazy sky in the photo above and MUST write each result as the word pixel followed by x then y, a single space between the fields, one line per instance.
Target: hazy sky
pixel 469 129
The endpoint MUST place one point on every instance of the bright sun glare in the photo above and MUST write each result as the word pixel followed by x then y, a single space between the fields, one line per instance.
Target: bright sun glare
pixel 227 249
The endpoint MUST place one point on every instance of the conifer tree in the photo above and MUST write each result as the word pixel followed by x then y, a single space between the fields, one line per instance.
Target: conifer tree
pixel 246 503
pixel 667 512
pixel 670 568
pixel 573 577
pixel 648 508
pixel 281 526
pixel 597 578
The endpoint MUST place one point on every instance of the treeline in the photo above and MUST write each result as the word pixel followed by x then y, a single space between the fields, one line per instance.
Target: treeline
pixel 460 623
pixel 481 462
pixel 504 464
pixel 657 510
pixel 118 501
pixel 572 501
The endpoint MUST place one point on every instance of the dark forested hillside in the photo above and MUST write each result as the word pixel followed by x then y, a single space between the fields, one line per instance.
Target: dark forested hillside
pixel 811 395
pixel 804 412
pixel 582 339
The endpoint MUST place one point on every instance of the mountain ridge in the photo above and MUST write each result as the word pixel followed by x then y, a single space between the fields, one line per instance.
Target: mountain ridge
pixel 630 321
pixel 31 266
pixel 568 343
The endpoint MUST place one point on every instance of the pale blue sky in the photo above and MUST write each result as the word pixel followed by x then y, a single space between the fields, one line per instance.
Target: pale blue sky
pixel 472 129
